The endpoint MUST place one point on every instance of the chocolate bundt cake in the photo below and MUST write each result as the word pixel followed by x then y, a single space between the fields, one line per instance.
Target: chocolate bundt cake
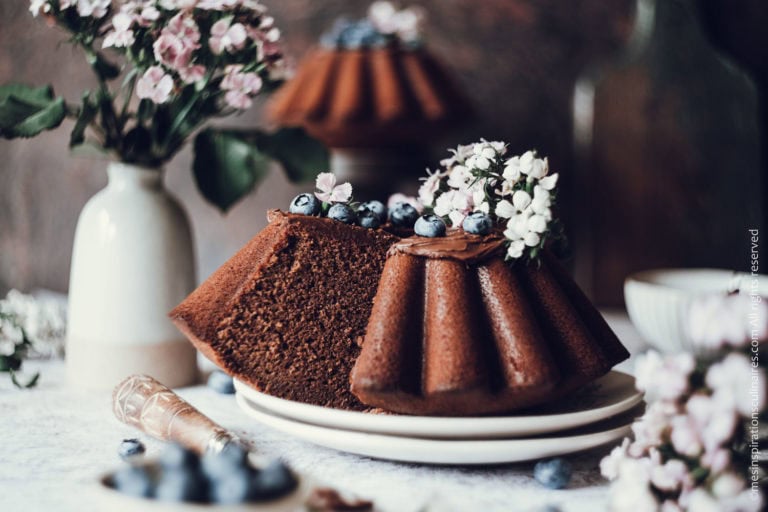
pixel 455 330
pixel 288 312
pixel 382 96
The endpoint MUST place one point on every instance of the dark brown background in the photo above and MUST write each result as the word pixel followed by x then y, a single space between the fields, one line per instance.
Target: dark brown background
pixel 518 59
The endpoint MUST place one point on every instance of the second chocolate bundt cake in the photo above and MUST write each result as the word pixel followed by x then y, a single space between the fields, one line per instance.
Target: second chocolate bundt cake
pixel 455 330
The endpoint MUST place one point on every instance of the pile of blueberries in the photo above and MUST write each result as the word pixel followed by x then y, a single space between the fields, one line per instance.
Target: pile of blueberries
pixel 372 214
pixel 353 35
pixel 182 476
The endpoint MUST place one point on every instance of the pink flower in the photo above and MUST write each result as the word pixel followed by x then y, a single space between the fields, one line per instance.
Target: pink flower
pixel 736 384
pixel 121 35
pixel 663 378
pixel 685 436
pixel 155 85
pixel 240 87
pixel 192 74
pixel 329 192
pixel 177 41
pixel 430 186
pixel 225 37
pixel 718 320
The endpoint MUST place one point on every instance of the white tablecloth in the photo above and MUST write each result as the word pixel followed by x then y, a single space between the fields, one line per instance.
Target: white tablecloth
pixel 54 442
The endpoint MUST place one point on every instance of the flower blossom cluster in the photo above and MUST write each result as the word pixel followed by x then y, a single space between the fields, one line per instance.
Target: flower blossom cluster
pixel 688 450
pixel 227 48
pixel 40 323
pixel 405 24
pixel 517 191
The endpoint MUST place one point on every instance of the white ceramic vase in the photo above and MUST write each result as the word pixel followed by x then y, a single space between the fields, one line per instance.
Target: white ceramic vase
pixel 132 262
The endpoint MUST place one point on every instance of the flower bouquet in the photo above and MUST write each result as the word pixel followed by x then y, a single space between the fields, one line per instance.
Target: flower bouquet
pixel 698 445
pixel 180 63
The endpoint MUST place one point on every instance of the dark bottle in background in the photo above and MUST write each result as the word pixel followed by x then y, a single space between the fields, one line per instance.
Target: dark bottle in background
pixel 668 151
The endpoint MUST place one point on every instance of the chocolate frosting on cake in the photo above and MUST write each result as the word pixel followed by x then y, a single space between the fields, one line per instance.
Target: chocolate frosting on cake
pixel 457 331
pixel 457 245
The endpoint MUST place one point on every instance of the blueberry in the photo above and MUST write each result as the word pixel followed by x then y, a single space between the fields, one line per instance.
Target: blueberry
pixel 377 207
pixel 130 448
pixel 175 456
pixel 342 213
pixel 305 204
pixel 133 480
pixel 273 481
pixel 221 382
pixel 181 484
pixel 235 486
pixel 552 473
pixel 232 457
pixel 429 225
pixel 403 214
pixel 477 223
pixel 367 218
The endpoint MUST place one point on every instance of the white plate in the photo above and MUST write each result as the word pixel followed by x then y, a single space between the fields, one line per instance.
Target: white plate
pixel 606 397
pixel 443 451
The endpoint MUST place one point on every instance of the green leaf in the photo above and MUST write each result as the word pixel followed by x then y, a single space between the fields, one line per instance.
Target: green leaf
pixel 226 166
pixel 9 363
pixel 301 156
pixel 26 111
pixel 86 116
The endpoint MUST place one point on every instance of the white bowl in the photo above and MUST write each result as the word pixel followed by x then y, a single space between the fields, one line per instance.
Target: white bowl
pixel 658 301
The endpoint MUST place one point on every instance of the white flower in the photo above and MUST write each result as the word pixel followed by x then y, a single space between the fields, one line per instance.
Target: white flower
pixel 671 475
pixel 685 436
pixel 37 7
pixel 525 162
pixel 719 320
pixel 716 460
pixel 531 239
pixel 651 428
pixel 329 192
pixel 521 199
pixel 430 186
pixel 609 465
pixel 517 227
pixel 699 500
pixel 457 217
pixel 731 381
pixel 86 8
pixel 226 36
pixel 121 35
pixel 155 85
pixel 483 206
pixel 727 485
pixel 458 176
pixel 512 172
pixel 505 209
pixel 539 168
pixel 537 223
pixel 664 378
pixel 549 182
pixel 515 249
pixel 715 420
pixel 479 162
pixel 444 203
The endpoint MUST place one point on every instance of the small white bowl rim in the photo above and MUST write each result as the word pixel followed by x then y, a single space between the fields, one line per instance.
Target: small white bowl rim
pixel 649 278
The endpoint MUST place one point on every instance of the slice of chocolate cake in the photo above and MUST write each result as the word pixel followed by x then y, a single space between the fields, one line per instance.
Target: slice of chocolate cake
pixel 288 312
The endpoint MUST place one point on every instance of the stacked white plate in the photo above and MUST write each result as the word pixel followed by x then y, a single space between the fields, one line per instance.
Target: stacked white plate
pixel 599 414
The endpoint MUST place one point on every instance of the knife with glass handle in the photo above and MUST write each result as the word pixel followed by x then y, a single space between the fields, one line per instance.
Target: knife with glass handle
pixel 142 402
